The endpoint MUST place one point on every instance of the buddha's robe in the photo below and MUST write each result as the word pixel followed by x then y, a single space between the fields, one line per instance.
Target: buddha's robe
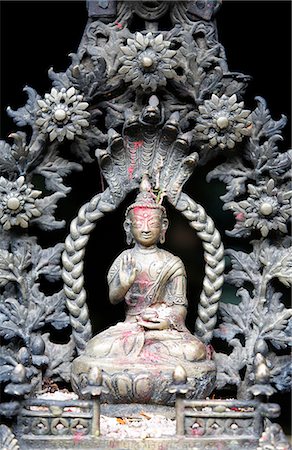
pixel 159 291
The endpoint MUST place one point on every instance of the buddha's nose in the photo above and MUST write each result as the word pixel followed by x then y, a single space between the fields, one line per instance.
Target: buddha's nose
pixel 145 228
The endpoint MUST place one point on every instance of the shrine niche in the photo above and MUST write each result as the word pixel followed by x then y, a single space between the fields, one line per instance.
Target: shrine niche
pixel 149 97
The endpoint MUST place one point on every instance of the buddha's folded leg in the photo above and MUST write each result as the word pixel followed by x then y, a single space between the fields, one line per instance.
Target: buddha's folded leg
pixel 120 340
pixel 181 345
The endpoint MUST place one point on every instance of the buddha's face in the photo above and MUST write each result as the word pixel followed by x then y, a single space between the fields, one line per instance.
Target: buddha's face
pixel 147 225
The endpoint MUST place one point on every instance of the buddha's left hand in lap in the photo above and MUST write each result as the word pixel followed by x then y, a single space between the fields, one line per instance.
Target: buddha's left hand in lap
pixel 154 323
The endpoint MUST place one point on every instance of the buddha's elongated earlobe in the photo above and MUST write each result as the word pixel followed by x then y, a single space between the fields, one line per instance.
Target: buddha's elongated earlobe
pixel 163 230
pixel 127 228
pixel 129 238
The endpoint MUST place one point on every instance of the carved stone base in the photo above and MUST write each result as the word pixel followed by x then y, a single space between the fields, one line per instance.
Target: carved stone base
pixel 141 383
pixel 173 443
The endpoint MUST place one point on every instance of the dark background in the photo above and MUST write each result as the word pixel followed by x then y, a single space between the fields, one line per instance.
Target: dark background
pixel 37 35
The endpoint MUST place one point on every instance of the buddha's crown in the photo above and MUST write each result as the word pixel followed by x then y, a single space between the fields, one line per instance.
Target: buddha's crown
pixel 146 197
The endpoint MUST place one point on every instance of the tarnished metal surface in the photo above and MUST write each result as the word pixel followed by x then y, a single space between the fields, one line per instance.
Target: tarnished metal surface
pixel 148 91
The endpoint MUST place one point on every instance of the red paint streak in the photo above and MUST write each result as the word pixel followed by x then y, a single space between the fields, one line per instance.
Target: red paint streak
pixel 149 356
pixel 130 172
pixel 143 210
pixel 240 217
pixel 149 352
pixel 197 431
pixel 137 144
pixel 132 162
pixel 78 436
pixel 118 25
pixel 210 351
pixel 127 334
pixel 133 151
pixel 143 281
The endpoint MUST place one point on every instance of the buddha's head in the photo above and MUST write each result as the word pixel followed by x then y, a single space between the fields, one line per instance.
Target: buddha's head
pixel 146 222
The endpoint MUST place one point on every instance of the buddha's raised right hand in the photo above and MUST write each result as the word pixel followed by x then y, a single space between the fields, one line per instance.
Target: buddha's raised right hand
pixel 128 271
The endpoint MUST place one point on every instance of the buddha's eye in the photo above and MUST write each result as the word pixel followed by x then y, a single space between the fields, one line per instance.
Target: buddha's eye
pixel 155 223
pixel 137 224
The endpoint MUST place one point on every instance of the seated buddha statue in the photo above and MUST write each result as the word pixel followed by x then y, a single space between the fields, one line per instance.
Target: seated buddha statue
pixel 138 356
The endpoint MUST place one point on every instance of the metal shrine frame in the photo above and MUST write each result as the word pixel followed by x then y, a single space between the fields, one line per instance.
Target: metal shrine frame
pixel 124 69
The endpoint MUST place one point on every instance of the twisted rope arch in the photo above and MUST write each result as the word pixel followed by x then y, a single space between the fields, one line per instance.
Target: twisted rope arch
pixel 73 256
pixel 214 268
pixel 72 259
